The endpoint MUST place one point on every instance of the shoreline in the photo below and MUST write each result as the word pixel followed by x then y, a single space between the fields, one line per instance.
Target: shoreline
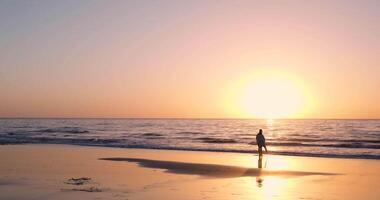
pixel 367 157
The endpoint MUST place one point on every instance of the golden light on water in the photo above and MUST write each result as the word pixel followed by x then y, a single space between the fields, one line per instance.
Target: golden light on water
pixel 268 95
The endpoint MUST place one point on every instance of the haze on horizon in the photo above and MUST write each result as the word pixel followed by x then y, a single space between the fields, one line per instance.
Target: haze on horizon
pixel 190 59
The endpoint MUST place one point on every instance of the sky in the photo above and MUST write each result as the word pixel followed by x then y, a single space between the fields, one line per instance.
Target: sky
pixel 190 59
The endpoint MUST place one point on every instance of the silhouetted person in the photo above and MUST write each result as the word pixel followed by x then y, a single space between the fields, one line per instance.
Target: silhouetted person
pixel 260 140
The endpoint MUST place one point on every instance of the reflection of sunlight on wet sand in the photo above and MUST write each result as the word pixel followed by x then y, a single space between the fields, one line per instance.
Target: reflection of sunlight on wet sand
pixel 276 163
pixel 272 188
pixel 269 162
pixel 268 188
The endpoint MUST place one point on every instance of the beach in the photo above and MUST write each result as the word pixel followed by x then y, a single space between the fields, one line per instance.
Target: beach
pixel 48 171
pixel 189 100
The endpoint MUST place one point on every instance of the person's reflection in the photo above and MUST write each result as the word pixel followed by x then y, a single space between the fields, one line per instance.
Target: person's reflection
pixel 259 180
pixel 260 163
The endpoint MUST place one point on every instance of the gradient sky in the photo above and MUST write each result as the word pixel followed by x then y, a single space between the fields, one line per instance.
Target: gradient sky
pixel 176 58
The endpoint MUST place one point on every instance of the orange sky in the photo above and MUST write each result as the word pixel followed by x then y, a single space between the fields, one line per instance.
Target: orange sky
pixel 187 59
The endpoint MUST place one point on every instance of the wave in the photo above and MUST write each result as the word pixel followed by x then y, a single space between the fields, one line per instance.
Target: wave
pixel 122 143
pixel 16 136
pixel 335 145
pixel 327 140
pixel 345 145
pixel 72 130
pixel 190 133
pixel 152 134
pixel 215 140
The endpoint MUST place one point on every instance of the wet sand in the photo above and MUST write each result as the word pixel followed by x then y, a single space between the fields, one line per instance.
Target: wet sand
pixel 212 170
pixel 66 172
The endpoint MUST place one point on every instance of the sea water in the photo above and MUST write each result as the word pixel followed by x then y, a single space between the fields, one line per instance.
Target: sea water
pixel 323 138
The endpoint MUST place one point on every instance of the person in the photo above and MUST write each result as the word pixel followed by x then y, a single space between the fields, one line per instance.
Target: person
pixel 260 141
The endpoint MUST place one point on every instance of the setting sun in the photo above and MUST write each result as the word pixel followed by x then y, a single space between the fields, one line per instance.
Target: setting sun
pixel 270 98
pixel 268 95
pixel 189 100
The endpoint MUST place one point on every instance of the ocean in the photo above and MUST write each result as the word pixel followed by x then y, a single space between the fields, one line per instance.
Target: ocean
pixel 322 138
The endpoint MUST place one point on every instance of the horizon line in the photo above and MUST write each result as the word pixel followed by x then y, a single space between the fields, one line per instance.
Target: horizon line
pixel 188 118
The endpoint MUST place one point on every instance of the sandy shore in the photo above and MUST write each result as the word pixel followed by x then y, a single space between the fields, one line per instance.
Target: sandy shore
pixel 67 172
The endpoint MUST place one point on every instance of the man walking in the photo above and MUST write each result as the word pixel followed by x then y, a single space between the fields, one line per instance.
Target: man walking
pixel 260 140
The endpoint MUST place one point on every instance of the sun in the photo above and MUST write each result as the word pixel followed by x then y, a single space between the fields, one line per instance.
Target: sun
pixel 268 96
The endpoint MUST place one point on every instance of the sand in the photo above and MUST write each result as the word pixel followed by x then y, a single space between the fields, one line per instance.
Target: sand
pixel 77 172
